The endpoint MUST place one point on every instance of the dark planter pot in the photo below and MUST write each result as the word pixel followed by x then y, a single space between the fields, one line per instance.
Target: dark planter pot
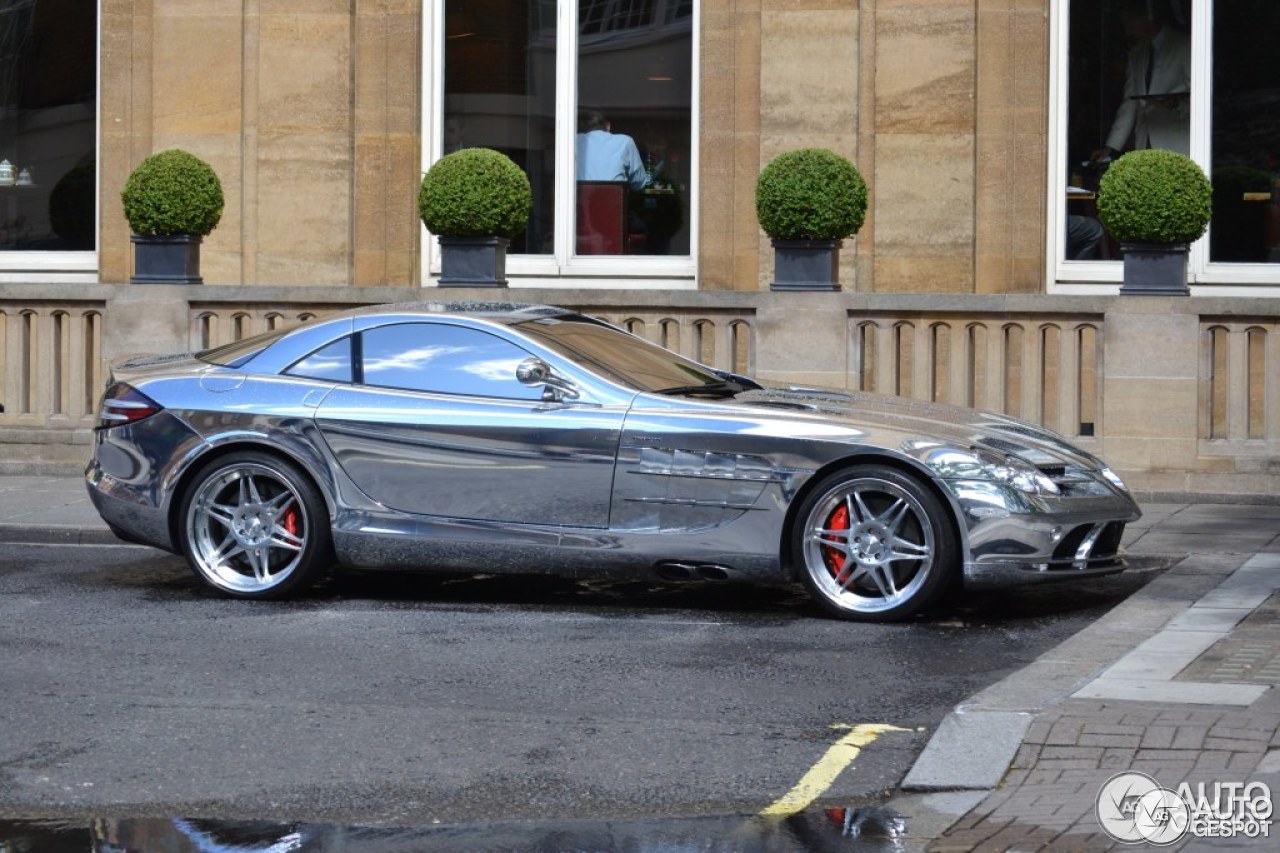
pixel 473 261
pixel 806 265
pixel 166 259
pixel 1154 269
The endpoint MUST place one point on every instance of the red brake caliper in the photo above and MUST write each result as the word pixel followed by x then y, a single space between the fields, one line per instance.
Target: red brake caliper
pixel 290 521
pixel 835 559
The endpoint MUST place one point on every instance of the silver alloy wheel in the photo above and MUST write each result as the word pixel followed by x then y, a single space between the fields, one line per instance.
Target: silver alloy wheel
pixel 247 528
pixel 869 545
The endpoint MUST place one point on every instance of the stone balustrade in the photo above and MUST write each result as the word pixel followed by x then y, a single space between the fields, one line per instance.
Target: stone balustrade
pixel 1181 395
pixel 51 352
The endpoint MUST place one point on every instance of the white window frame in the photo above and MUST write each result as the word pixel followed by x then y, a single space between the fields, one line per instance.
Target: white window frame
pixel 561 268
pixel 80 267
pixel 1093 277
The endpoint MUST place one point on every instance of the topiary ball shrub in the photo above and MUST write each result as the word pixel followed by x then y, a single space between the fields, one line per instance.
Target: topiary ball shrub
pixel 173 192
pixel 1155 196
pixel 810 194
pixel 475 192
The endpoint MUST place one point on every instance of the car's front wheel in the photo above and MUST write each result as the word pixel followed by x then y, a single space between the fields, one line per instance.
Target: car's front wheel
pixel 254 526
pixel 874 544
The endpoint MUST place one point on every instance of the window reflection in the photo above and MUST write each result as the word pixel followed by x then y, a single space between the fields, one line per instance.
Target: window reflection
pixel 380 364
pixel 1246 133
pixel 500 93
pixel 635 85
pixel 1130 86
pixel 443 359
pixel 331 363
pixel 634 72
pixel 633 361
pixel 48 120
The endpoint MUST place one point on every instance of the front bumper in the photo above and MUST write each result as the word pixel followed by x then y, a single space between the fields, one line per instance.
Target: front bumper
pixel 1014 538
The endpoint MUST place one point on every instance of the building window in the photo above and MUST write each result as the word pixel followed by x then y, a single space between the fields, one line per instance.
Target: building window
pixel 48 134
pixel 595 100
pixel 1197 76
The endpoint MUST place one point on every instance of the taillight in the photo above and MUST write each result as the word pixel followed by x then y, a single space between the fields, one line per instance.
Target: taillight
pixel 124 404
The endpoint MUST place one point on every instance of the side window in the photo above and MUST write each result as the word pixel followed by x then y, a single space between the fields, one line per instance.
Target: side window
pixel 443 359
pixel 331 362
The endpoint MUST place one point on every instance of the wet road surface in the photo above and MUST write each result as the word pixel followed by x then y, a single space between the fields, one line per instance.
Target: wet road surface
pixel 432 701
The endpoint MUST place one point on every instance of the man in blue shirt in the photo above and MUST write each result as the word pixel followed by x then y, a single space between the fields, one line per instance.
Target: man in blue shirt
pixel 606 156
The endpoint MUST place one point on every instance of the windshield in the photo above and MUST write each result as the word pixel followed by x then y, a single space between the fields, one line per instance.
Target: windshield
pixel 237 353
pixel 622 357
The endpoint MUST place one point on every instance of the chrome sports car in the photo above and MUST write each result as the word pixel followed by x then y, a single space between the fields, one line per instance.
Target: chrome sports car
pixel 517 438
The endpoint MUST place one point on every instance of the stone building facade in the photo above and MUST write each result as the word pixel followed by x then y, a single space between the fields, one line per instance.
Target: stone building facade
pixel 312 113
pixel 967 117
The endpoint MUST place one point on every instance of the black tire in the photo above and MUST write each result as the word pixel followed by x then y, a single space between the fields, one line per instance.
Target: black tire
pixel 898 556
pixel 253 525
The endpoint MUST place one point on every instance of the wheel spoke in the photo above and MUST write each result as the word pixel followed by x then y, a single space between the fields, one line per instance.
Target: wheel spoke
pixel 858 508
pixel 893 516
pixel 885 581
pixel 254 496
pixel 837 539
pixel 258 561
pixel 226 549
pixel 220 513
pixel 905 550
pixel 281 538
pixel 280 502
pixel 881 576
pixel 857 572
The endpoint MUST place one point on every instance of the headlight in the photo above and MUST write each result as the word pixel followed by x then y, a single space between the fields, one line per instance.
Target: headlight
pixel 1110 477
pixel 1015 472
pixel 978 464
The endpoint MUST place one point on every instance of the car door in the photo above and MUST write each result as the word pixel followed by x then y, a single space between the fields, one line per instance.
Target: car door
pixel 437 424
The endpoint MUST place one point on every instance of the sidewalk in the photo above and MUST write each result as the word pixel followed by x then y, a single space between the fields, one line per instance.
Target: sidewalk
pixel 50 510
pixel 1176 682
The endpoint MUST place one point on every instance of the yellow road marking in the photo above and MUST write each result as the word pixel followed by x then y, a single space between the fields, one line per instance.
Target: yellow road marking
pixel 820 777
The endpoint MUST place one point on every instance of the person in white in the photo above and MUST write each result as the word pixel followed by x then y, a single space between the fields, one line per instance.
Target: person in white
pixel 607 156
pixel 1156 106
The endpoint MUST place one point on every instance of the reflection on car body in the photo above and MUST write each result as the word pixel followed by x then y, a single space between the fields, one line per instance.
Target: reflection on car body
pixel 516 438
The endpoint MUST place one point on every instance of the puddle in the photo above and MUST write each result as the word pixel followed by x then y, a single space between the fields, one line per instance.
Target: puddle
pixel 873 829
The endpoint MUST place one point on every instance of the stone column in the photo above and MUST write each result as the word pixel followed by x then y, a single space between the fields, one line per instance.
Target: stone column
pixel 147 319
pixel 1151 392
pixel 803 338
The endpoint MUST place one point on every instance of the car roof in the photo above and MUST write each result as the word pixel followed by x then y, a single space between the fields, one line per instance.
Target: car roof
pixel 293 343
pixel 495 311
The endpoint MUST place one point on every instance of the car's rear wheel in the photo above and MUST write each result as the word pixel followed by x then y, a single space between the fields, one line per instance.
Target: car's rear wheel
pixel 254 526
pixel 874 544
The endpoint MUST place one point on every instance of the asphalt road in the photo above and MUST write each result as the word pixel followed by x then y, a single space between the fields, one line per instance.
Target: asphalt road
pixel 129 690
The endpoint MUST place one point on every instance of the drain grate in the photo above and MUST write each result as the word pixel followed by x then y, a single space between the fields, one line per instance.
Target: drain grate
pixel 1249 655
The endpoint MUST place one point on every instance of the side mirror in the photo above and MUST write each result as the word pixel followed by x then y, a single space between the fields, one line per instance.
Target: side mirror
pixel 535 371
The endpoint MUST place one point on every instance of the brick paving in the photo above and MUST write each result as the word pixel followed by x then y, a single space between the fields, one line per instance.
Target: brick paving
pixel 1046 799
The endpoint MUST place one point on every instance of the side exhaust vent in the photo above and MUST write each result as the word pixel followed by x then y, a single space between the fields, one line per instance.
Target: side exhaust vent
pixel 673 571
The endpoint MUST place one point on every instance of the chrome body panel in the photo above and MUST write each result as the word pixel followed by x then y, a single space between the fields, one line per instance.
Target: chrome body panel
pixel 613 481
pixel 481 459
pixel 131 475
